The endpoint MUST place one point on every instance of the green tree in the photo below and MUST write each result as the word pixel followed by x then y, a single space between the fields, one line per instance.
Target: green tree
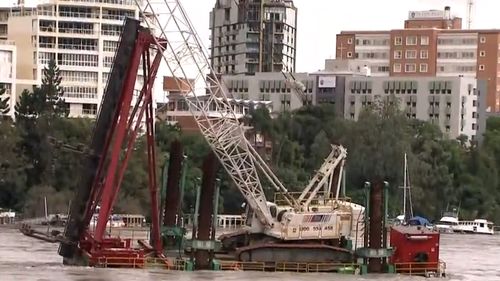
pixel 52 92
pixel 12 164
pixel 36 114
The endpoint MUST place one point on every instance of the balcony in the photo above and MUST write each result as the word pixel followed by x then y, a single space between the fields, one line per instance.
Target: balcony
pixel 77 47
pixel 112 2
pixel 46 45
pixel 252 60
pixel 47 29
pixel 110 33
pixel 80 95
pixel 76 31
pixel 115 17
pixel 78 15
pixel 7 42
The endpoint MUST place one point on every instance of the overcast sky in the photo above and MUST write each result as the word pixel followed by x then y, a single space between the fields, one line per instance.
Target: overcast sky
pixel 320 20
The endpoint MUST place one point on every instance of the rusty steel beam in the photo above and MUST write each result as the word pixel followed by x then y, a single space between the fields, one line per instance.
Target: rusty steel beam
pixel 173 193
pixel 210 166
pixel 375 264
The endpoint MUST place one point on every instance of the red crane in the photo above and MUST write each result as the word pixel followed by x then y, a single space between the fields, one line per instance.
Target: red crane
pixel 112 143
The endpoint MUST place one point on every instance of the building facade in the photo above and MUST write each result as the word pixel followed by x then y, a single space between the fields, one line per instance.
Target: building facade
pixel 330 82
pixel 8 72
pixel 452 103
pixel 82 37
pixel 253 36
pixel 272 87
pixel 432 43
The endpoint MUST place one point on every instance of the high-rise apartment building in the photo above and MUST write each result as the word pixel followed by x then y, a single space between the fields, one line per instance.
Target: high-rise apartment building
pixel 80 35
pixel 253 36
pixel 432 43
pixel 8 72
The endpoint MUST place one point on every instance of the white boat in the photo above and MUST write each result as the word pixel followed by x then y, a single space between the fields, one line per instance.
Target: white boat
pixel 477 226
pixel 448 222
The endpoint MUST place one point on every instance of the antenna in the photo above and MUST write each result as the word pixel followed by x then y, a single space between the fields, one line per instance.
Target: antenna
pixel 470 6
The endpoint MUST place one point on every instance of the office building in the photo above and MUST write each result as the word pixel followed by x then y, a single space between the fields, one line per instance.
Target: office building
pixel 253 36
pixel 272 87
pixel 452 103
pixel 432 43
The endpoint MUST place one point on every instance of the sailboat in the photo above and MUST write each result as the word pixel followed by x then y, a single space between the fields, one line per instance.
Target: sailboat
pixel 407 203
pixel 408 218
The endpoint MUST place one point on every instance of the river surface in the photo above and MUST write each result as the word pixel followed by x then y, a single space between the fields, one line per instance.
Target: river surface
pixel 468 257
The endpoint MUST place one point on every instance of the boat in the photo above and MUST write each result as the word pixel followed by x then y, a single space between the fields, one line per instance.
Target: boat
pixel 477 226
pixel 448 222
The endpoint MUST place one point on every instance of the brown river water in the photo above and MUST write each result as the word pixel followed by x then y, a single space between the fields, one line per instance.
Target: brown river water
pixel 468 257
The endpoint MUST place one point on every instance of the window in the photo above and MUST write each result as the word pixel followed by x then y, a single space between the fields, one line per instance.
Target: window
pixel 424 54
pixel 79 76
pixel 105 77
pixel 398 40
pixel 80 92
pixel 108 61
pixel 482 53
pixel 349 41
pixel 44 58
pixel 424 40
pixel 423 67
pixel 397 67
pixel 77 59
pixel 90 109
pixel 349 54
pixel 411 54
pixel 109 46
pixel 482 39
pixel 411 40
pixel 410 67
pixel 398 55
pixel 481 67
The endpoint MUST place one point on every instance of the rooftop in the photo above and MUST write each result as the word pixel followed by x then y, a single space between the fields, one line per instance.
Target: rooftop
pixel 348 32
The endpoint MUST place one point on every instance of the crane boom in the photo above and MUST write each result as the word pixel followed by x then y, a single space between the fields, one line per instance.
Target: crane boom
pixel 187 61
pixel 335 159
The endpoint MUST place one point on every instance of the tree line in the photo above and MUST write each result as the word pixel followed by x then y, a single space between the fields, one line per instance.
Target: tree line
pixel 35 162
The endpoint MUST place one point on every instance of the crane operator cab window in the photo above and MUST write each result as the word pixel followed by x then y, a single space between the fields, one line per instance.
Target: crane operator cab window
pixel 273 210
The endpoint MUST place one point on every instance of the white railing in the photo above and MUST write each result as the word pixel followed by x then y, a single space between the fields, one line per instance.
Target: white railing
pixel 114 2
pixel 7 42
pixel 110 32
pixel 46 45
pixel 80 95
pixel 76 30
pixel 77 47
pixel 47 29
pixel 78 15
pixel 113 17
pixel 45 13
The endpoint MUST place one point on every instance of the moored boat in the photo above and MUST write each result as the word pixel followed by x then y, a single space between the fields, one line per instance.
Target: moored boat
pixel 477 226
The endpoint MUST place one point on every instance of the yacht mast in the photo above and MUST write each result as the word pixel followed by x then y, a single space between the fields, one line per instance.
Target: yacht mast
pixel 404 191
